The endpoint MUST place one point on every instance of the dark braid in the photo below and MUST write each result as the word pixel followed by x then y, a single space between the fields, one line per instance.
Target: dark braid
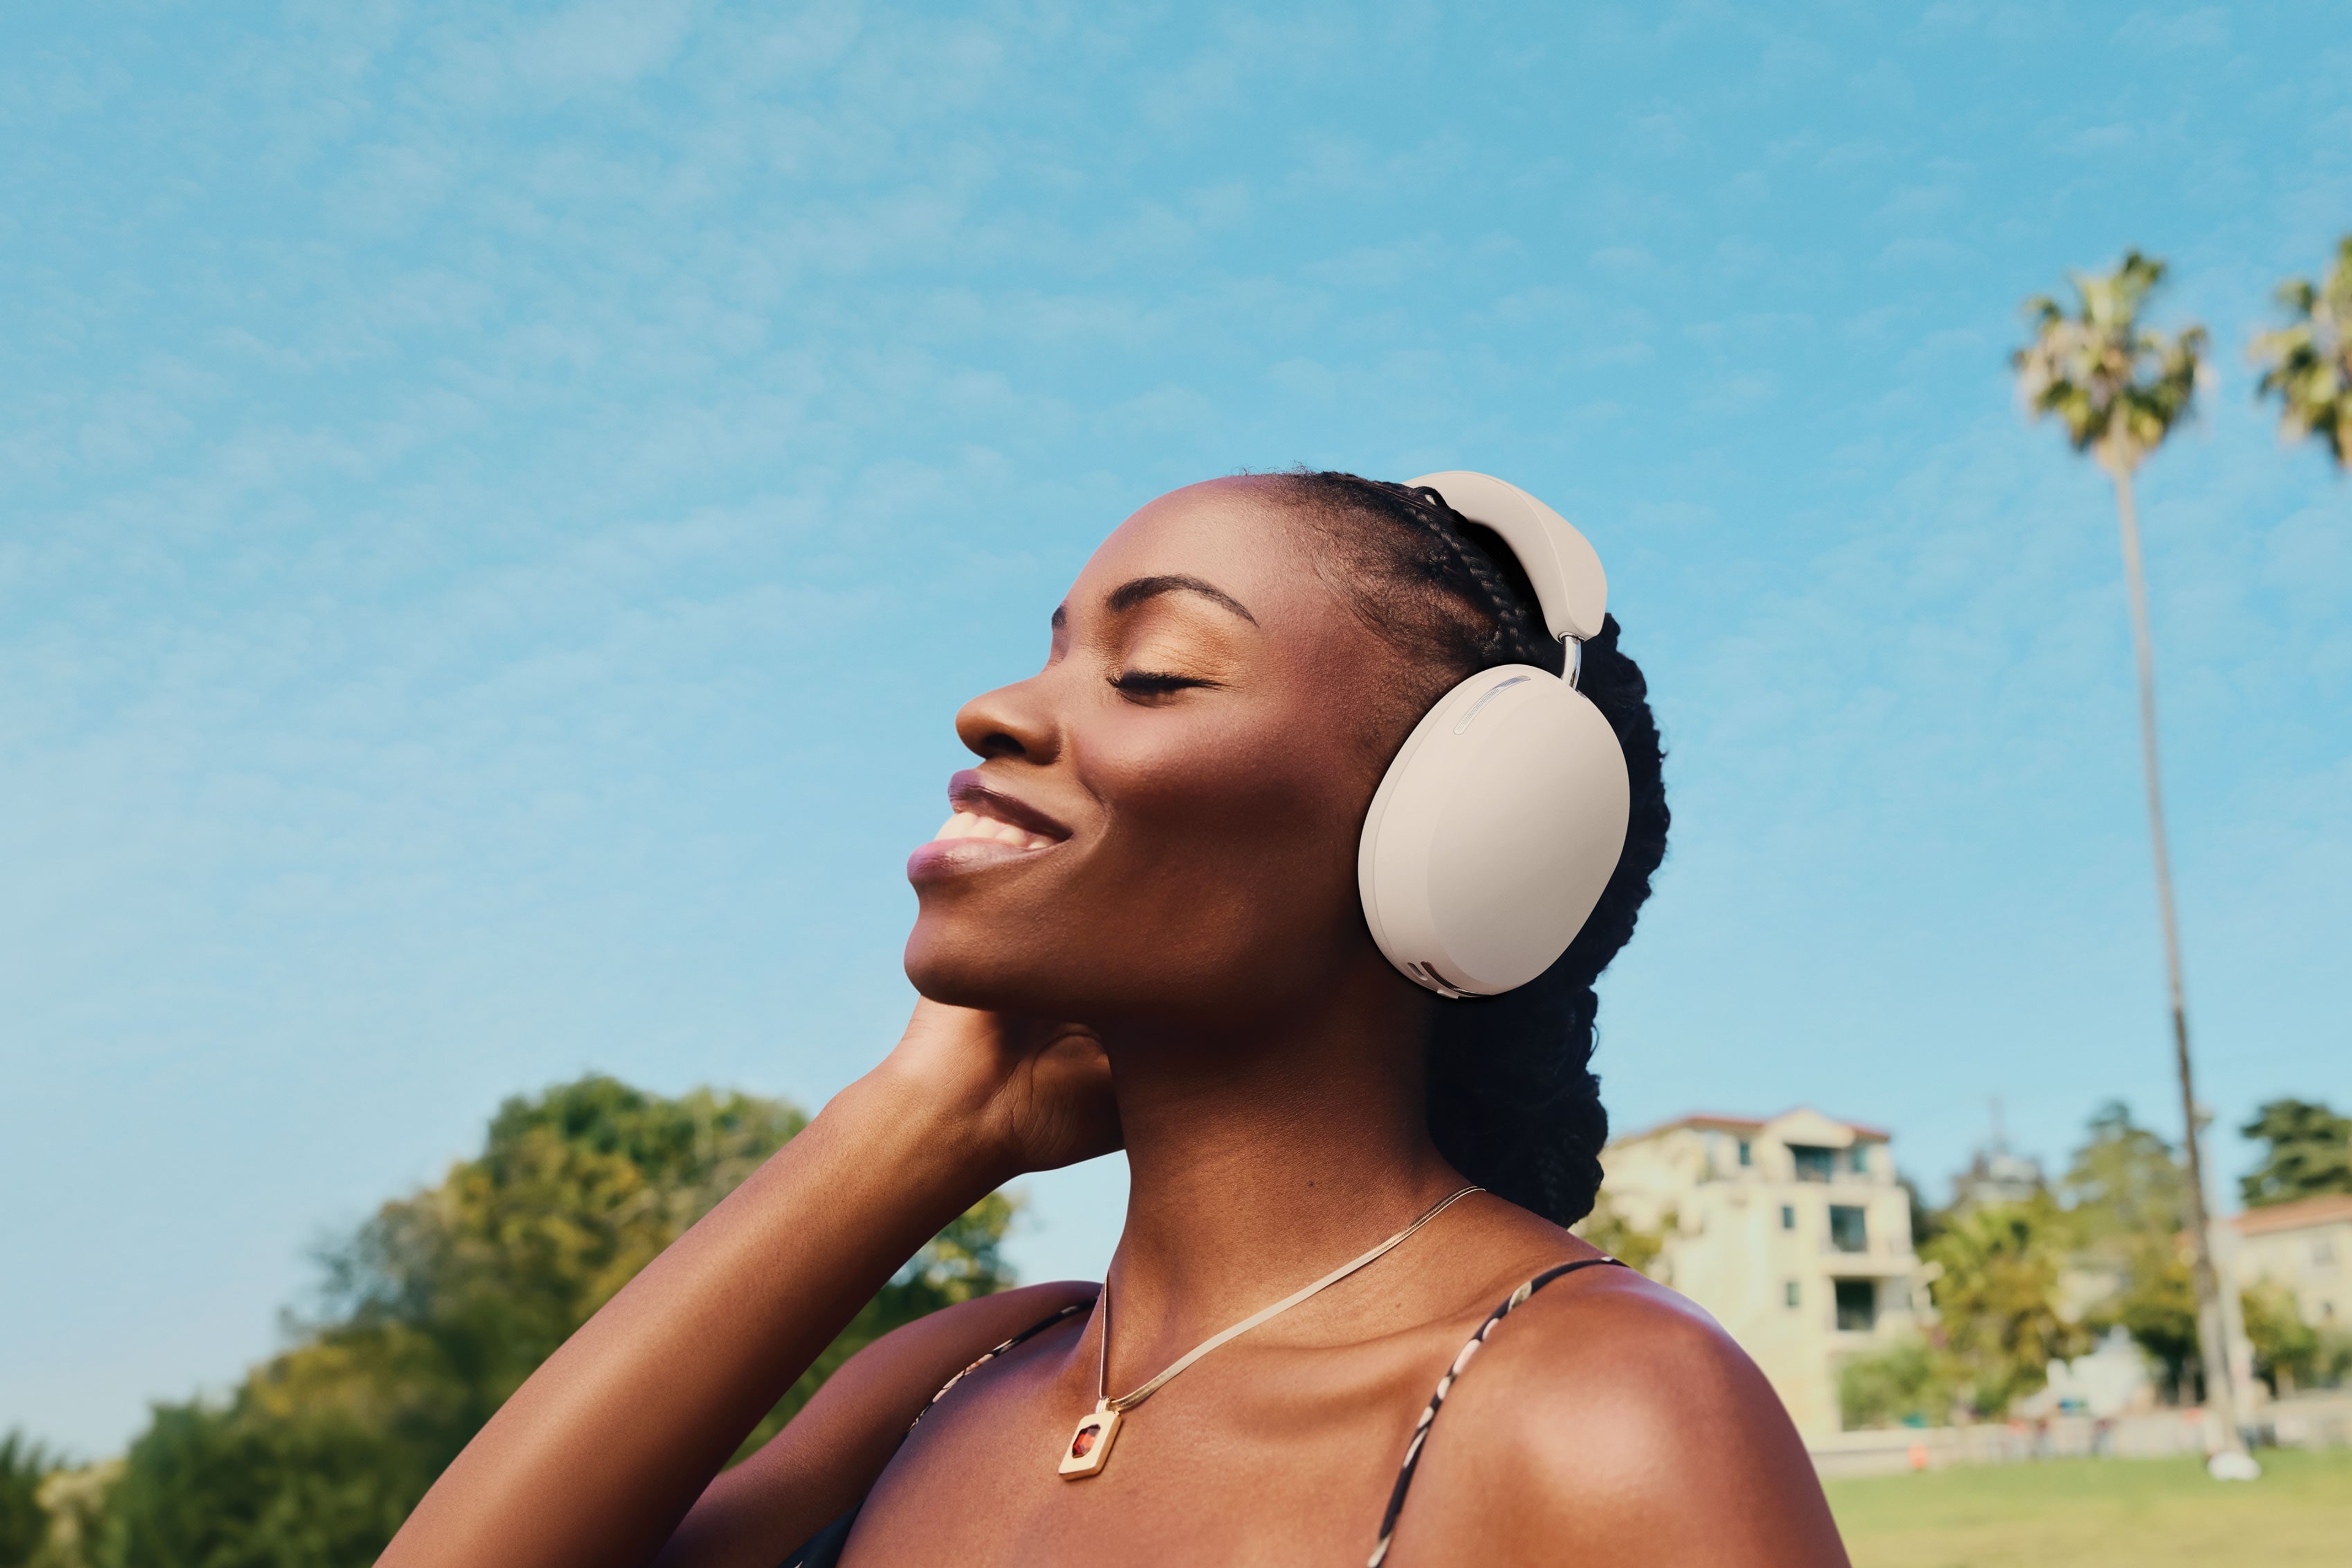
pixel 1513 1101
pixel 1516 638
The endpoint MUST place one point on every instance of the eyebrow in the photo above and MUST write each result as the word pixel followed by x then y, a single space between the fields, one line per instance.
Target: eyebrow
pixel 1126 595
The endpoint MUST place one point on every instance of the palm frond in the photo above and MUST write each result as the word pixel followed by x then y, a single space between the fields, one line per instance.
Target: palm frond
pixel 2308 364
pixel 2118 388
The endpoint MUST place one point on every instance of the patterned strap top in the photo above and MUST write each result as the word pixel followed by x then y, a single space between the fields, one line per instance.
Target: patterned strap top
pixel 823 1549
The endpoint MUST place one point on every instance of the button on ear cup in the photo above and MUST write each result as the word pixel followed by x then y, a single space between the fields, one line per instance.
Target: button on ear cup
pixel 1494 833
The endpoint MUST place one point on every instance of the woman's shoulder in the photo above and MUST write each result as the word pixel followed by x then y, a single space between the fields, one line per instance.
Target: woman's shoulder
pixel 912 1362
pixel 1607 1413
pixel 821 1465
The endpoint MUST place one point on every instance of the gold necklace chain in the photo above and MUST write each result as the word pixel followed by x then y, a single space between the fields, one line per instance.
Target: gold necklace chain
pixel 1089 1447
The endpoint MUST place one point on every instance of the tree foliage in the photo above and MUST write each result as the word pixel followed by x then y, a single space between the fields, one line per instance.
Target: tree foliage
pixel 24 1522
pixel 2117 387
pixel 1909 1384
pixel 2129 1205
pixel 2003 1294
pixel 1997 1295
pixel 2287 1348
pixel 1607 1228
pixel 2308 363
pixel 438 1308
pixel 2309 1151
pixel 2124 1185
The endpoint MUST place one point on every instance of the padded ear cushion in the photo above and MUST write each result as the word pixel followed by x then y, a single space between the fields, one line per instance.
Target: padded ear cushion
pixel 1494 833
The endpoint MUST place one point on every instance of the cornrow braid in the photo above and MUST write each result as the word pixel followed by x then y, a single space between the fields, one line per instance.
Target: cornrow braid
pixel 1513 1101
pixel 1516 638
pixel 1517 635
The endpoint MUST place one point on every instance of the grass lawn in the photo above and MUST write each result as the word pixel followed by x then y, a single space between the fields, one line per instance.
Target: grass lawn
pixel 2092 1513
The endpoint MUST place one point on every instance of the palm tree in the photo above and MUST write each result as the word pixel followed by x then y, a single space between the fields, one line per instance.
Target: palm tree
pixel 2120 389
pixel 2308 365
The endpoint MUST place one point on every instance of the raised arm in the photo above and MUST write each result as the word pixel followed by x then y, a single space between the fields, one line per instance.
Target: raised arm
pixel 594 1460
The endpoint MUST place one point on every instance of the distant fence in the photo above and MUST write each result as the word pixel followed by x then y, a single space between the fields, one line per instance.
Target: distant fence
pixel 2306 1421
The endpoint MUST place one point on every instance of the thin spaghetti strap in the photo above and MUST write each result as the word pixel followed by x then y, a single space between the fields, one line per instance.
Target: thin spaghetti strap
pixel 1031 1332
pixel 1446 1387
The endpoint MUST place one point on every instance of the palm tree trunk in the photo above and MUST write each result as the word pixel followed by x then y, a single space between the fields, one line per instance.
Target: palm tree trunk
pixel 2212 1342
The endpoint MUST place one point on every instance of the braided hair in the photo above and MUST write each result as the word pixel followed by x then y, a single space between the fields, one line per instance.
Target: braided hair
pixel 1513 1101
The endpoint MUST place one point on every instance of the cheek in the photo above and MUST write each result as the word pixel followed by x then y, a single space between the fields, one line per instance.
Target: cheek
pixel 1224 837
pixel 1217 879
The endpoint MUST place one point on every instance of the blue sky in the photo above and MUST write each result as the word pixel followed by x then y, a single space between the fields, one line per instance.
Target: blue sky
pixel 498 505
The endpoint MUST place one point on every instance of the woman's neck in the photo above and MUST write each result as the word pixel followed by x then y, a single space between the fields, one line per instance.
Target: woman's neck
pixel 1262 1158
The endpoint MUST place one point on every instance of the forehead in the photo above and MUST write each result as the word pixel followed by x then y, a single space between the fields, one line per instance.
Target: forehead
pixel 1234 533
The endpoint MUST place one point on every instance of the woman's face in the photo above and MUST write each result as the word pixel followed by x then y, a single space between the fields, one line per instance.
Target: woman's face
pixel 1165 819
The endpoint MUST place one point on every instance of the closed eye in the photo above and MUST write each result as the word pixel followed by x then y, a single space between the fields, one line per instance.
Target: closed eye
pixel 1145 683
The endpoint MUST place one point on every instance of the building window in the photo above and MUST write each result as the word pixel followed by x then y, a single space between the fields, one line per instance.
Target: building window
pixel 1747 1154
pixel 1792 1292
pixel 1848 1228
pixel 1813 1164
pixel 1858 1159
pixel 1857 1304
pixel 1788 1217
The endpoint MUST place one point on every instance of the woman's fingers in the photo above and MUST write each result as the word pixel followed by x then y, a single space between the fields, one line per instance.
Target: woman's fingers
pixel 1067 1110
pixel 1040 1087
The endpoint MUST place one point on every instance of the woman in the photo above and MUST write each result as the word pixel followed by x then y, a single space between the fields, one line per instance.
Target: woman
pixel 1142 929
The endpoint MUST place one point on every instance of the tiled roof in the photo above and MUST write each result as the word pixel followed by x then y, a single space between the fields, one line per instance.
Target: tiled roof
pixel 2327 1208
pixel 1718 1123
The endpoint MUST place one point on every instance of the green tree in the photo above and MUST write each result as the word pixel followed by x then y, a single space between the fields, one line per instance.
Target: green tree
pixel 75 1500
pixel 2124 1186
pixel 2158 1306
pixel 2287 1348
pixel 444 1302
pixel 1996 1290
pixel 2120 389
pixel 2308 363
pixel 23 1522
pixel 1909 1384
pixel 2309 1151
pixel 1607 1228
pixel 2128 1201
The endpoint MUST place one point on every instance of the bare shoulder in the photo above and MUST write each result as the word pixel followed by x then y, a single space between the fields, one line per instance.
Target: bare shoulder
pixel 1608 1419
pixel 935 1347
pixel 877 1392
pixel 821 1465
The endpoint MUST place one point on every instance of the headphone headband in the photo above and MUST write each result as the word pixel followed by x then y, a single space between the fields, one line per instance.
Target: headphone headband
pixel 1561 564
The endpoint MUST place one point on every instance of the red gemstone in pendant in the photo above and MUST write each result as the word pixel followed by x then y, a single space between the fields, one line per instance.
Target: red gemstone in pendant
pixel 1089 1445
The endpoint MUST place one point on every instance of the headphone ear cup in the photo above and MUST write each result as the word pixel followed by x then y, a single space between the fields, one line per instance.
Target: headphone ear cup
pixel 1493 833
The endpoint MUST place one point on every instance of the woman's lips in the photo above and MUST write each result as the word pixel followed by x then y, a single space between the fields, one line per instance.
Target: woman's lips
pixel 974 824
pixel 976 837
pixel 975 797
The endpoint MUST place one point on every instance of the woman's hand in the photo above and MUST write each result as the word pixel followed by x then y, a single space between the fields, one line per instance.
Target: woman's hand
pixel 1038 1094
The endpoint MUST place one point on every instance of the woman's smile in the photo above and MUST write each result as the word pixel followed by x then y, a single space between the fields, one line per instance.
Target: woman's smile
pixel 990 827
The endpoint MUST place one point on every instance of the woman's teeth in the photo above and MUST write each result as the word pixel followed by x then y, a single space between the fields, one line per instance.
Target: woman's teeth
pixel 969 825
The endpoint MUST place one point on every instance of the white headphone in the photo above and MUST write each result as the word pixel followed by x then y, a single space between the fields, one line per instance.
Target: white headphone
pixel 1499 822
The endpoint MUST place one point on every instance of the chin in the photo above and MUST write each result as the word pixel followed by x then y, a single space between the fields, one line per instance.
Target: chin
pixel 948 966
pixel 1113 978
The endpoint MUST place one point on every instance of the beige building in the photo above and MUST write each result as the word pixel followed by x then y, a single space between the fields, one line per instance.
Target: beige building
pixel 2306 1246
pixel 1791 1230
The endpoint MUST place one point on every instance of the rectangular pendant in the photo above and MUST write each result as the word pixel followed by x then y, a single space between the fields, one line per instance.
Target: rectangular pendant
pixel 1089 1446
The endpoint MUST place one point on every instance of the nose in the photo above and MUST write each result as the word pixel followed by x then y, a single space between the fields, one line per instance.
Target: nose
pixel 1013 721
